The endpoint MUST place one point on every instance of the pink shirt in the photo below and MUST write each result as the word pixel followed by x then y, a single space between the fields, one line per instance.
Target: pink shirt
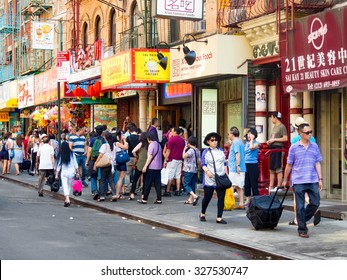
pixel 154 149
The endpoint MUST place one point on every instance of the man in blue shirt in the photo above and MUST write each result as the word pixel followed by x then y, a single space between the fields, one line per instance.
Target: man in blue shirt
pixel 237 164
pixel 77 143
pixel 295 139
pixel 303 163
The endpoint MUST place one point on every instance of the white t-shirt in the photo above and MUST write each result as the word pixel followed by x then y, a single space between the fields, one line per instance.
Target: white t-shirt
pixel 45 153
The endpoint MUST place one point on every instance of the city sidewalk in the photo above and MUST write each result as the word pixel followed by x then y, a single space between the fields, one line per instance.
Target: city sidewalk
pixel 327 240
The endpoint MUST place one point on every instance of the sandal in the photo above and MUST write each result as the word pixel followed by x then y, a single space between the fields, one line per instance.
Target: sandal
pixel 113 198
pixel 188 202
pixel 141 201
pixel 293 223
pixel 131 198
pixel 195 202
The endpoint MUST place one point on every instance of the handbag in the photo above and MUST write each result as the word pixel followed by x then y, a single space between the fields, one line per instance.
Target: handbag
pixel 122 157
pixel 222 181
pixel 12 153
pixel 229 200
pixel 77 187
pixel 164 176
pixel 104 161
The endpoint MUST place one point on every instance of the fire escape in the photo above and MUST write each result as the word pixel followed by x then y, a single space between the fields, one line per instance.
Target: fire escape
pixel 9 26
pixel 32 60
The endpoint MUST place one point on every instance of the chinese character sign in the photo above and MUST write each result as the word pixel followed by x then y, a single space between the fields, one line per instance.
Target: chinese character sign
pixel 316 57
pixel 182 9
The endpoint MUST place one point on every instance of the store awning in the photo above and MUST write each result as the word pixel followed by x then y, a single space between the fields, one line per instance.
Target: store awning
pixel 90 101
pixel 11 103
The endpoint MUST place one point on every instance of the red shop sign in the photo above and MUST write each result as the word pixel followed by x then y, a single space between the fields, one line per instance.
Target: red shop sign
pixel 315 57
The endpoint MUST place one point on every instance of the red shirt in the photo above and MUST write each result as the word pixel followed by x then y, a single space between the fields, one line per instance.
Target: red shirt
pixel 175 145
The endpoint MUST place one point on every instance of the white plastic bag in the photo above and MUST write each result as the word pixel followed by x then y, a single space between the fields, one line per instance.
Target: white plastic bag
pixel 164 176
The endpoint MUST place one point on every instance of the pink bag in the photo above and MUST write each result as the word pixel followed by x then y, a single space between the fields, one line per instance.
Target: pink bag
pixel 77 187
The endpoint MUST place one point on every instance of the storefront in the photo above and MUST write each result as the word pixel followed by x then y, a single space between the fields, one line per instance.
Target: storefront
pixel 315 72
pixel 219 78
pixel 9 114
pixel 133 77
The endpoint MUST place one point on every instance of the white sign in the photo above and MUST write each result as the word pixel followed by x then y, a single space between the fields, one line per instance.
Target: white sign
pixel 63 66
pixel 43 35
pixel 221 55
pixel 181 9
pixel 209 113
pixel 88 74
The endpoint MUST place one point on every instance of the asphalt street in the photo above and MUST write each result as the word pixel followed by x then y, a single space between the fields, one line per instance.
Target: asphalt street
pixel 35 228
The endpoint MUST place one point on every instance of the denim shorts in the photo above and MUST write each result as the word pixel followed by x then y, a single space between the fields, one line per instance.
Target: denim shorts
pixel 121 167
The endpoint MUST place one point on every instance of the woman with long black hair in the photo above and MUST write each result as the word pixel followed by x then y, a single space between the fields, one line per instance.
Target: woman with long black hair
pixel 68 167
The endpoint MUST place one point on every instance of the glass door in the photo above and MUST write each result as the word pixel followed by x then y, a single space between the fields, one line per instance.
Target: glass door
pixel 335 100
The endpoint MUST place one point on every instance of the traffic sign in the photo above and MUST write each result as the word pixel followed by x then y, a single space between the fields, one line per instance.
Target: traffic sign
pixel 63 66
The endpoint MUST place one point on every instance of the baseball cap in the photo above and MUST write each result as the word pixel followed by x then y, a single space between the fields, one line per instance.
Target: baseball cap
pixel 99 128
pixel 277 115
pixel 43 135
pixel 299 121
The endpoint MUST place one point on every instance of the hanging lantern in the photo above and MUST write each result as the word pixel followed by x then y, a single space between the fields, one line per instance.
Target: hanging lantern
pixel 97 87
pixel 91 91
pixel 79 92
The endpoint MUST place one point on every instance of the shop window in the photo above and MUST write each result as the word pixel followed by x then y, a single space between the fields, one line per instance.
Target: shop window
pixel 232 117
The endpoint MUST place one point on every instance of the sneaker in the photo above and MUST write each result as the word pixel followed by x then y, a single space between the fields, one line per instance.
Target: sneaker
pixel 102 198
pixel 40 194
pixel 316 218
pixel 166 194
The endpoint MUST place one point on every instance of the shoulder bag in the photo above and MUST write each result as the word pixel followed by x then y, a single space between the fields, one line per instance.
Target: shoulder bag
pixel 122 157
pixel 222 181
pixel 104 161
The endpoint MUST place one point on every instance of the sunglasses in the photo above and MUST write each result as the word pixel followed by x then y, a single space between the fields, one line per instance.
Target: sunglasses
pixel 307 132
pixel 213 140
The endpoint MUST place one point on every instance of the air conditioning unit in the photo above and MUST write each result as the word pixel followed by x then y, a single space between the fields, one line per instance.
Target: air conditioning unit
pixel 239 14
pixel 200 26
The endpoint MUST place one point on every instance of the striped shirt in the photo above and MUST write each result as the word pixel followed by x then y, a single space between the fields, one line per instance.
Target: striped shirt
pixel 303 163
pixel 78 143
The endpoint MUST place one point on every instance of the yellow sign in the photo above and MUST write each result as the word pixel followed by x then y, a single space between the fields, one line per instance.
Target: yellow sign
pixel 11 103
pixel 147 68
pixel 4 117
pixel 116 70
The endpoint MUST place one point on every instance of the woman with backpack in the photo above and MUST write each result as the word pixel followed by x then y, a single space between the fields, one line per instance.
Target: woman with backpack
pixel 68 168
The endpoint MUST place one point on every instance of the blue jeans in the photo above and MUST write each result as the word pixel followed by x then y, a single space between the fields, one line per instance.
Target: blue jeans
pixel 303 213
pixel 81 162
pixel 189 183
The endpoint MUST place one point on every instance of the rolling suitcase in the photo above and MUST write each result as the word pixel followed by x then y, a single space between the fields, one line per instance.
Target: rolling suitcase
pixel 25 165
pixel 265 211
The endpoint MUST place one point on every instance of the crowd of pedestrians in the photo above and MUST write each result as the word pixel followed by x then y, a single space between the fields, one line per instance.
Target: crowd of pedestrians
pixel 129 161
